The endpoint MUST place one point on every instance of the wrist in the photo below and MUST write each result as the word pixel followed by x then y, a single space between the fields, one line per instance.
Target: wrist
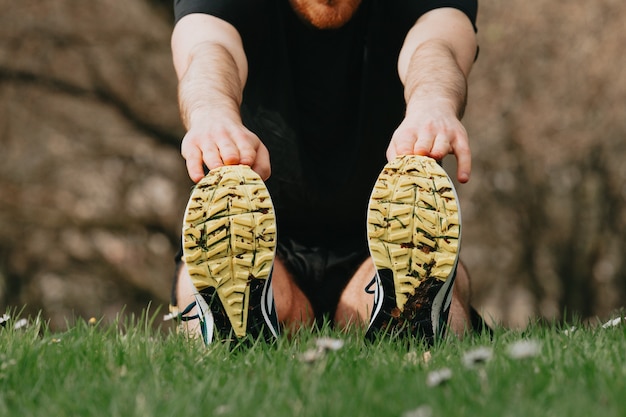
pixel 439 105
pixel 208 115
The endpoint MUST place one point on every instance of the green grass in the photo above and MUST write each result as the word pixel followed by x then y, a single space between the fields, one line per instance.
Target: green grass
pixel 131 369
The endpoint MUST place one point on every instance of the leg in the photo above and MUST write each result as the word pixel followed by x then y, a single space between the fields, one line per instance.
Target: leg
pixel 459 316
pixel 292 307
pixel 355 305
pixel 185 296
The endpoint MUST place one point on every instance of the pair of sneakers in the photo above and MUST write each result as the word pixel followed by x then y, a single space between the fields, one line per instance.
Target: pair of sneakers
pixel 413 227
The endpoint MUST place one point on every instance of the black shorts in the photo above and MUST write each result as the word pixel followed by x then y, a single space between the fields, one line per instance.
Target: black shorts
pixel 322 272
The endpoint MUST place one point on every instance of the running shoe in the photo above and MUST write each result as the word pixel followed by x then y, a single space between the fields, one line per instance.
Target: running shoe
pixel 414 233
pixel 229 243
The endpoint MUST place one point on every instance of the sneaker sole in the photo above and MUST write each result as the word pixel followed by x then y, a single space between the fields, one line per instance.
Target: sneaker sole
pixel 229 241
pixel 414 231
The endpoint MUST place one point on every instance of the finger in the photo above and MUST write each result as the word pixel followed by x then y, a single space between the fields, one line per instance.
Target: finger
pixel 194 166
pixel 442 146
pixel 249 146
pixel 261 164
pixel 424 144
pixel 402 142
pixel 391 151
pixel 193 158
pixel 228 151
pixel 211 156
pixel 404 146
pixel 464 161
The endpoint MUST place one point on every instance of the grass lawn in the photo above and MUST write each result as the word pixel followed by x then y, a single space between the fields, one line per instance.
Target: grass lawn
pixel 132 369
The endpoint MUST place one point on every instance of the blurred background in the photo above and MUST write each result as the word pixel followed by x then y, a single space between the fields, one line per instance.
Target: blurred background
pixel 92 184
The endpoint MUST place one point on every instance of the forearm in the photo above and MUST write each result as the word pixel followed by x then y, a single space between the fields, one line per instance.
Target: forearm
pixel 211 87
pixel 434 78
pixel 212 69
pixel 434 63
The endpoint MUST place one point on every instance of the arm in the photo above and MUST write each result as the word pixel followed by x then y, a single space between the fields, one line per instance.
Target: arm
pixel 433 65
pixel 212 69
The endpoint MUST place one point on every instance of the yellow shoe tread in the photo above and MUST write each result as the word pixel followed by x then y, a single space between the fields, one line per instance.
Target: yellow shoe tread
pixel 413 223
pixel 229 237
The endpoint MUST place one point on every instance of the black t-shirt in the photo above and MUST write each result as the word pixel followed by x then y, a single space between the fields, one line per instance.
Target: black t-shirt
pixel 324 102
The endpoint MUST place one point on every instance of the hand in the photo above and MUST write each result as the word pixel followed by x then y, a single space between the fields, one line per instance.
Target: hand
pixel 433 132
pixel 219 144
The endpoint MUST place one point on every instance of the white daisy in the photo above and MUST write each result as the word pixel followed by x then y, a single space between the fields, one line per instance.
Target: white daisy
pixel 438 377
pixel 612 323
pixel 327 343
pixel 477 357
pixel 524 349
